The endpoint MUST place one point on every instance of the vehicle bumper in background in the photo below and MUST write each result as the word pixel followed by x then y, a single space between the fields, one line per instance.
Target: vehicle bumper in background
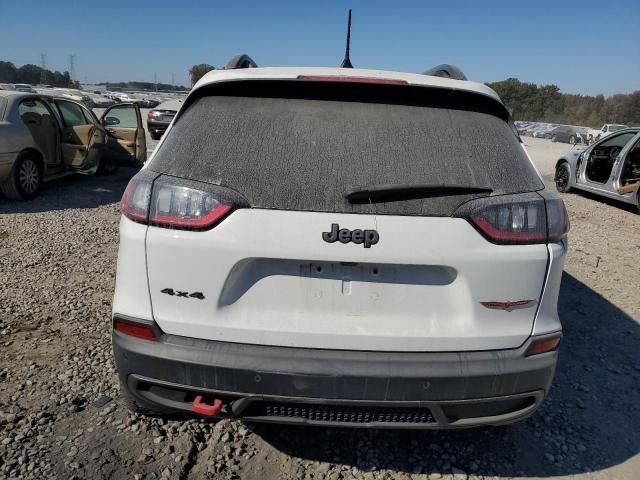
pixel 336 387
pixel 157 127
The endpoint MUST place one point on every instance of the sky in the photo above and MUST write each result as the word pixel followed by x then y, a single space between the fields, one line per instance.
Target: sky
pixel 587 47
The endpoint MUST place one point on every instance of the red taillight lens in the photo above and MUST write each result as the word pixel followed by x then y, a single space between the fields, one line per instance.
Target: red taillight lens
pixel 352 79
pixel 543 345
pixel 517 219
pixel 150 115
pixel 174 203
pixel 135 201
pixel 137 330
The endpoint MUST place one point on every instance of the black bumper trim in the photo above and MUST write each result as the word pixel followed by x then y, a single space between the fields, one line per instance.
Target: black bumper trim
pixel 437 414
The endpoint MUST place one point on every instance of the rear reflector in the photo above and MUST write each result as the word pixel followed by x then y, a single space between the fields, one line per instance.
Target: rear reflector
pixel 137 330
pixel 543 345
pixel 346 78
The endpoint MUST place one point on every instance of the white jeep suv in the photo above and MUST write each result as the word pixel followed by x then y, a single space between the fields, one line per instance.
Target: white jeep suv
pixel 343 247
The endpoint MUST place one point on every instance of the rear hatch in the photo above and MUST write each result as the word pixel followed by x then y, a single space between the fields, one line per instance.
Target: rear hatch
pixel 293 151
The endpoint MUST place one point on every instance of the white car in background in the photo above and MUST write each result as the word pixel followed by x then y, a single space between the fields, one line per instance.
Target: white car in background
pixel 607 129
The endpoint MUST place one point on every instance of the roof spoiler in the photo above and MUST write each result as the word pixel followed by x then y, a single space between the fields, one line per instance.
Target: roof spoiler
pixel 240 61
pixel 447 71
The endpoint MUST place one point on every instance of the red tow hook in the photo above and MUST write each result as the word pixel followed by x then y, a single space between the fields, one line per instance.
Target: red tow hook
pixel 204 409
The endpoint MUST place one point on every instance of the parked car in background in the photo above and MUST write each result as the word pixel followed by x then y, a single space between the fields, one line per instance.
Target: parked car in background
pixel 544 132
pixel 522 126
pixel 607 129
pixel 100 101
pixel 23 87
pixel 42 137
pixel 420 288
pixel 160 117
pixel 565 134
pixel 610 167
pixel 536 128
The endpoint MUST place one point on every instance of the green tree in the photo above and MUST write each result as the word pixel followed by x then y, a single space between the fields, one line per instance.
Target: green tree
pixel 7 72
pixel 198 71
pixel 545 103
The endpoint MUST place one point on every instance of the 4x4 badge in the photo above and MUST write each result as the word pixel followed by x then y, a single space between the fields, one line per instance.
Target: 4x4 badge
pixel 180 293
pixel 344 235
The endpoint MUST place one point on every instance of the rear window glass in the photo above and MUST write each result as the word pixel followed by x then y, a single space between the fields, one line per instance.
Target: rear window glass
pixel 303 147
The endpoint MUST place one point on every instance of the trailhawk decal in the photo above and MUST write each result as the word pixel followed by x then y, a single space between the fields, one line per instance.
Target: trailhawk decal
pixel 357 236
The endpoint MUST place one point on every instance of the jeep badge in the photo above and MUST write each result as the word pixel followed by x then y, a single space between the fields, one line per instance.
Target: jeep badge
pixel 344 235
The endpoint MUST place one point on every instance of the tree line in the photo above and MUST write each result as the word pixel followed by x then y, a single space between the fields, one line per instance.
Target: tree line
pixel 545 103
pixel 145 86
pixel 32 74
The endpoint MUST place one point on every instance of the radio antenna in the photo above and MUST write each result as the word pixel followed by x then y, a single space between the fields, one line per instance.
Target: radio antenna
pixel 346 63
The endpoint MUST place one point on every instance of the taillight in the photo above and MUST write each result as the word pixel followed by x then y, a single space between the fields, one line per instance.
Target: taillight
pixel 180 206
pixel 517 219
pixel 152 113
pixel 170 202
pixel 138 330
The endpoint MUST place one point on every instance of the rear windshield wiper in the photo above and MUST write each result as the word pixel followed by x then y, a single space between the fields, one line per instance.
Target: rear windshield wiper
pixel 399 192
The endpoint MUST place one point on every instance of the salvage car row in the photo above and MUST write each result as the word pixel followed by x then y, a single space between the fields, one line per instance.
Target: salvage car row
pixel 566 133
pixel 93 97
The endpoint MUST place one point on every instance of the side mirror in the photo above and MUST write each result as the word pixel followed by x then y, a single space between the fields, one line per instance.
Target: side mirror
pixel 110 121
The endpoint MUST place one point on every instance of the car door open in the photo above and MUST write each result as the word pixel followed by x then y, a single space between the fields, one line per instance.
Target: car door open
pixel 79 135
pixel 124 124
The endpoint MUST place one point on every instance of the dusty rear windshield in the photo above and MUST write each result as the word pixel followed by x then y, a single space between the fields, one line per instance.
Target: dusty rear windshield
pixel 304 146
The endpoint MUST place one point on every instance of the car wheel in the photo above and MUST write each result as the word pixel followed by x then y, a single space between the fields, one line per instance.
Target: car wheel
pixel 107 168
pixel 563 174
pixel 572 140
pixel 25 179
pixel 554 139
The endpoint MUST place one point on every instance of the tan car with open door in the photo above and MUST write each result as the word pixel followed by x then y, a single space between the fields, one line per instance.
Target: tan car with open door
pixel 43 137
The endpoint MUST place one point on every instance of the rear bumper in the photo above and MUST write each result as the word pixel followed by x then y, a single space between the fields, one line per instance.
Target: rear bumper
pixel 158 127
pixel 338 387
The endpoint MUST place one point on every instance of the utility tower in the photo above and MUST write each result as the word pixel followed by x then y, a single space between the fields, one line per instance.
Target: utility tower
pixel 155 80
pixel 43 66
pixel 72 69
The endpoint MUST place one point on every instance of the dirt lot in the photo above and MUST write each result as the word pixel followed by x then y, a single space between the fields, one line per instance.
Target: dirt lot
pixel 60 414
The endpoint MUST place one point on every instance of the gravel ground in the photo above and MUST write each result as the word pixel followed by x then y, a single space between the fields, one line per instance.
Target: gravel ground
pixel 61 417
